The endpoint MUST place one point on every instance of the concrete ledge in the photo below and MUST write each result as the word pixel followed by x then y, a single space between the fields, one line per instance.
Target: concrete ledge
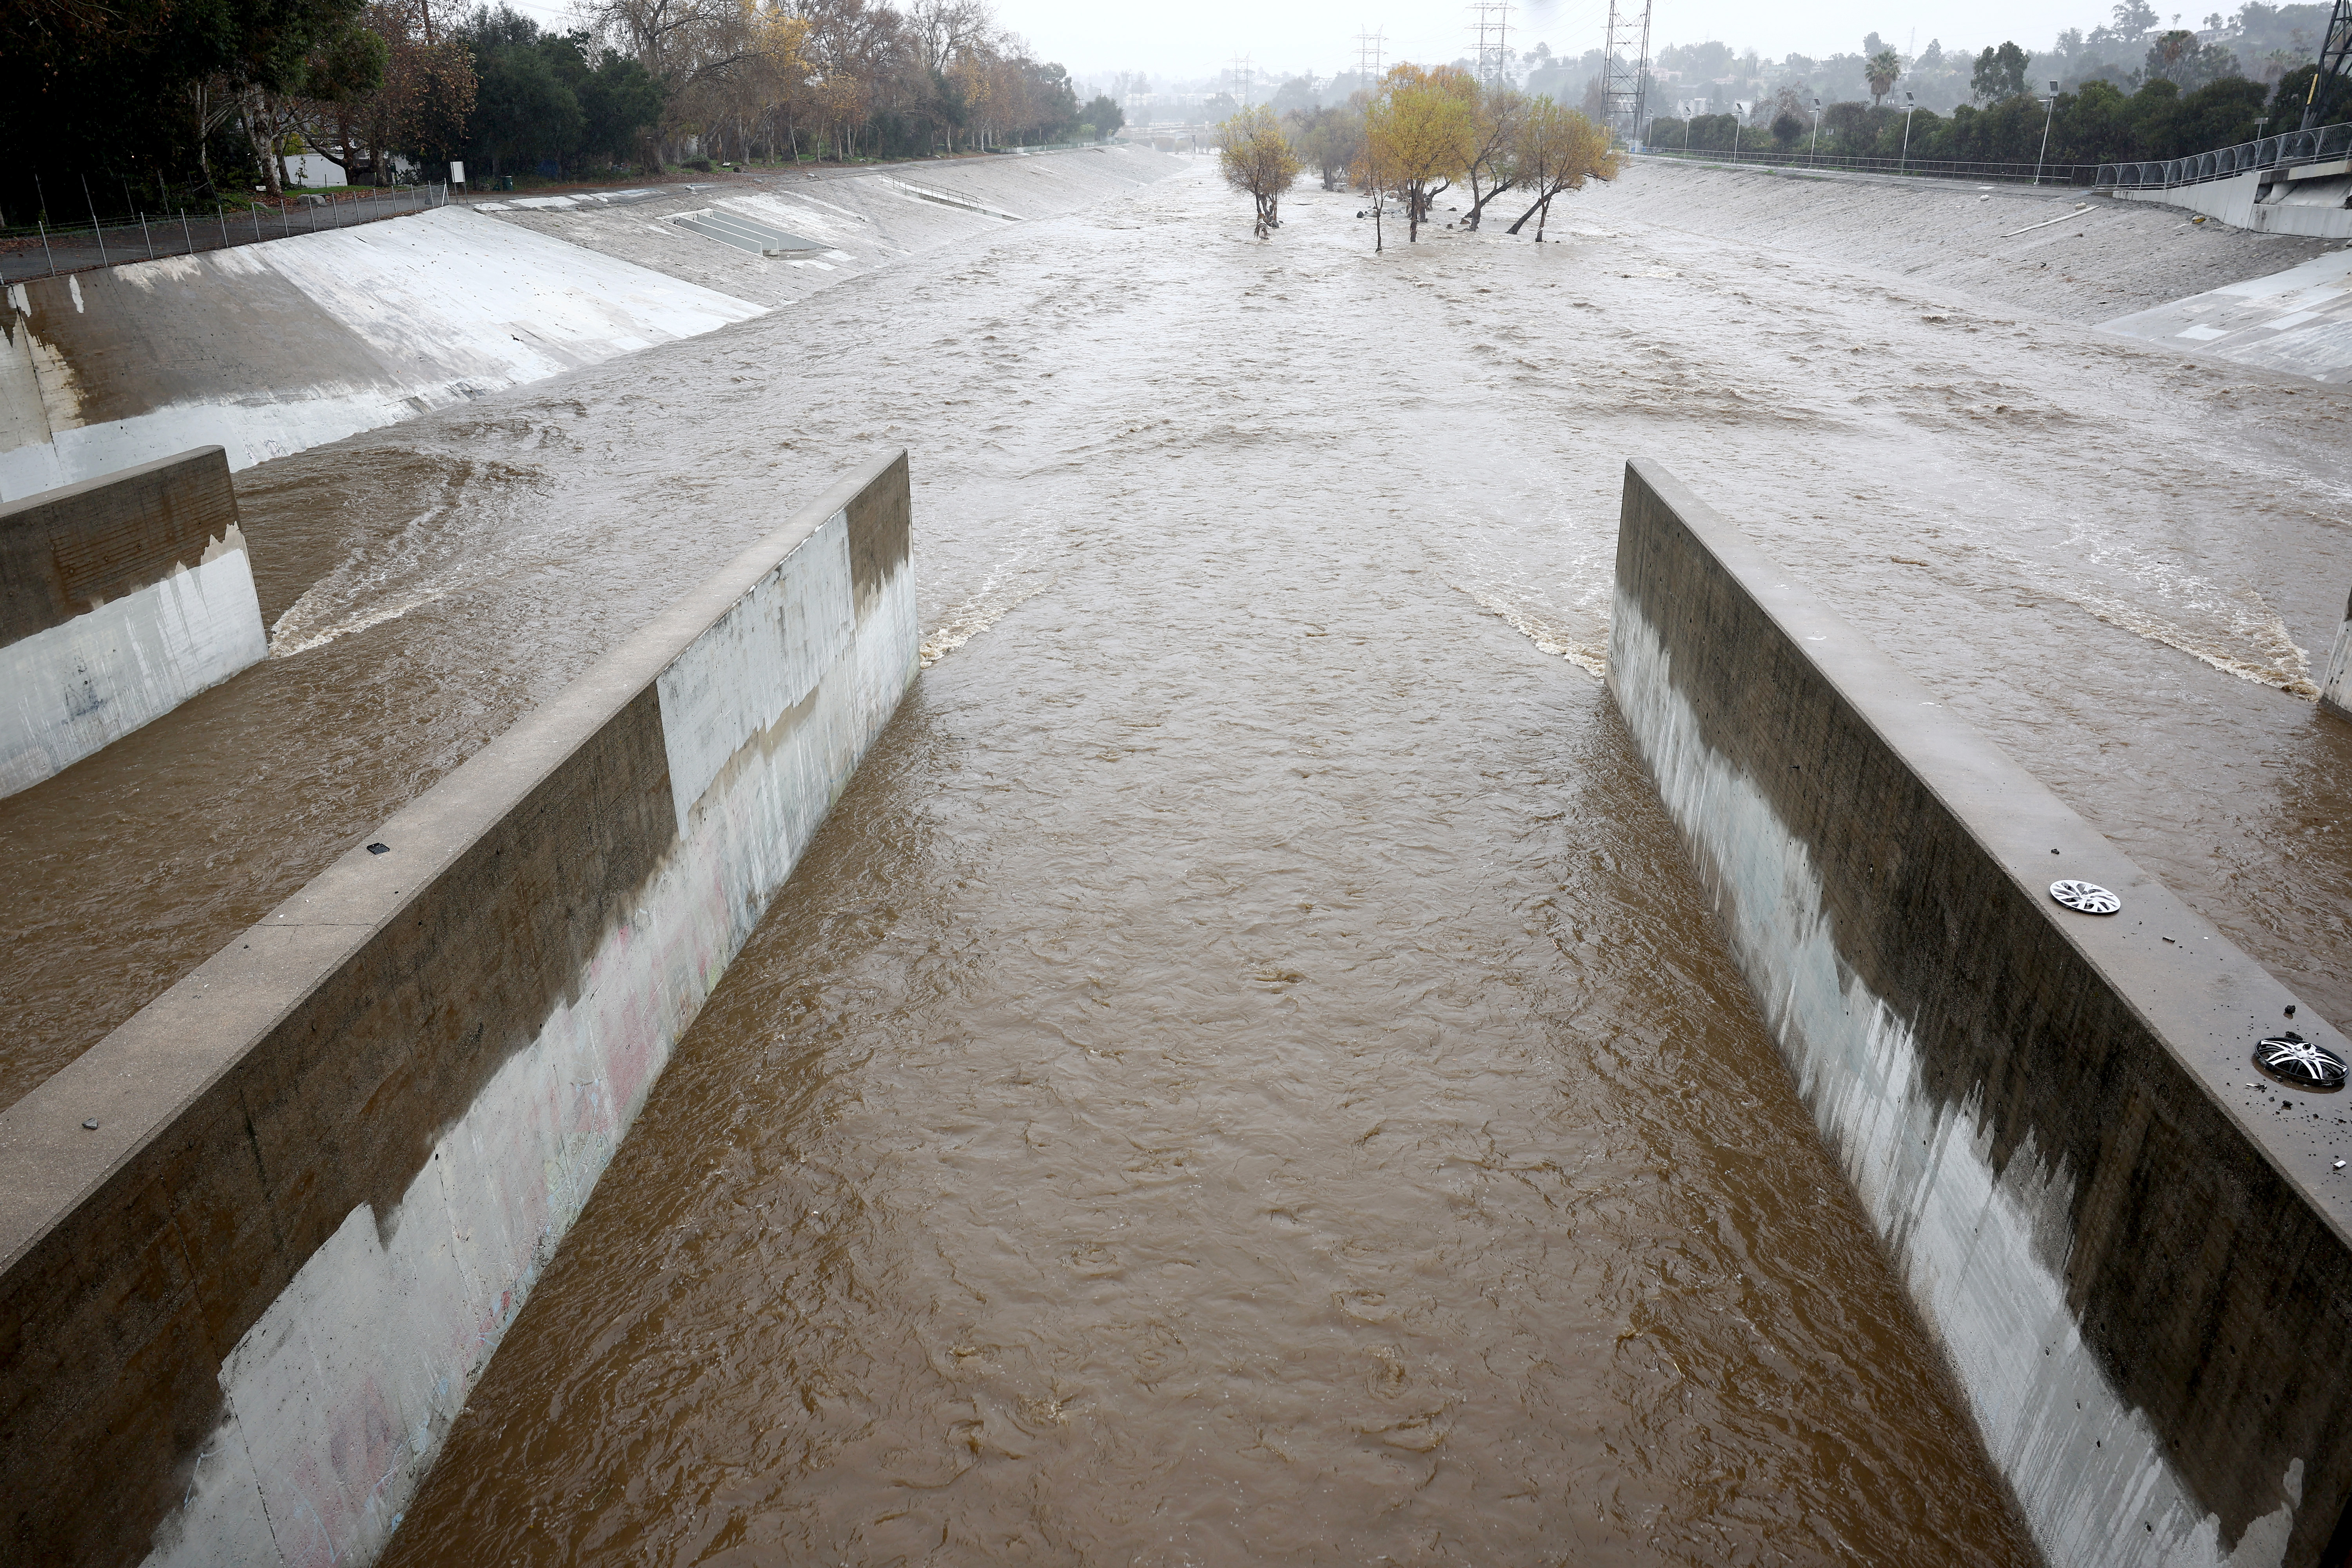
pixel 2265 201
pixel 121 597
pixel 239 1312
pixel 2335 681
pixel 2131 1246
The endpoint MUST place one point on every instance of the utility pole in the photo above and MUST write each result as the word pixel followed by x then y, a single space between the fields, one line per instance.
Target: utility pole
pixel 1815 145
pixel 1909 106
pixel 2051 113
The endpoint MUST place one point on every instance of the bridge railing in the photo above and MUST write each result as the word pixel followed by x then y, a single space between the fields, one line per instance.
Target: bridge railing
pixel 2317 145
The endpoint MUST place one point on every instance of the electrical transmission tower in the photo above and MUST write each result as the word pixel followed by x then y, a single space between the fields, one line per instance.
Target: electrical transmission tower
pixel 1625 67
pixel 1242 78
pixel 2334 54
pixel 1492 27
pixel 1368 56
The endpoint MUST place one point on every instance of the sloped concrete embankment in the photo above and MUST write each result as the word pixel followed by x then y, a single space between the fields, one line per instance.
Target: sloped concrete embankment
pixel 2131 1245
pixel 2063 254
pixel 855 223
pixel 271 348
pixel 2296 322
pixel 257 1244
pixel 120 599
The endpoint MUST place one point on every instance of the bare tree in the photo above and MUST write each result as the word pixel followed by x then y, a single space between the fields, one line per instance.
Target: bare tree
pixel 1494 153
pixel 942 29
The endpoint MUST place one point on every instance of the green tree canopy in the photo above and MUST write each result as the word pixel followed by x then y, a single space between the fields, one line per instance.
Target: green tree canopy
pixel 2000 73
pixel 1104 115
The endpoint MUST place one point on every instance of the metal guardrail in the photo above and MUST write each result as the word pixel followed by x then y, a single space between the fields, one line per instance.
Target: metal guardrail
pixel 2317 145
pixel 949 198
pixel 41 251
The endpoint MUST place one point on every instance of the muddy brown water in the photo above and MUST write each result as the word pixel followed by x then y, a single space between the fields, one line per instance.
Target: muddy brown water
pixel 1244 1072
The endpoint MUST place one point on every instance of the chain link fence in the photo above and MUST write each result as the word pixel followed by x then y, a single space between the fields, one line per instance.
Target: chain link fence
pixel 42 251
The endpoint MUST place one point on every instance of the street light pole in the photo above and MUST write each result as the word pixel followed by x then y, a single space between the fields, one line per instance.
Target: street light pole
pixel 1815 145
pixel 1909 105
pixel 1738 113
pixel 2046 119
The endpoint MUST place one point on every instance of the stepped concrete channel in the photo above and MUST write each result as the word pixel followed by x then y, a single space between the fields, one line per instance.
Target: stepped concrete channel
pixel 1268 1057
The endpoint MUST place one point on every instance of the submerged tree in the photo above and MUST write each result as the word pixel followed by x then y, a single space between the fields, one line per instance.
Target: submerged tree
pixel 1421 130
pixel 1329 139
pixel 1496 139
pixel 1558 150
pixel 1254 156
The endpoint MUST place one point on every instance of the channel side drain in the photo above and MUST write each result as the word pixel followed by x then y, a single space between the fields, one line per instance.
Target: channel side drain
pixel 759 238
pixel 2088 897
pixel 2300 1063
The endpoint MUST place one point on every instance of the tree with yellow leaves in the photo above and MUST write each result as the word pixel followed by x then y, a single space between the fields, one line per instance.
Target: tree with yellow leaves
pixel 1254 156
pixel 1558 150
pixel 1420 133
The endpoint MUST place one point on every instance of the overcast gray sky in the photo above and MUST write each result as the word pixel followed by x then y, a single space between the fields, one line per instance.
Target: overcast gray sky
pixel 1193 37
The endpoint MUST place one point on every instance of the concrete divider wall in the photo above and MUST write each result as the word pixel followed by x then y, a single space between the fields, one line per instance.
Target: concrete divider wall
pixel 120 598
pixel 2335 681
pixel 2135 1258
pixel 238 1317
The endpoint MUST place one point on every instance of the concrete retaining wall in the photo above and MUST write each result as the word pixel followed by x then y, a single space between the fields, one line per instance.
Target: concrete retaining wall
pixel 120 599
pixel 2335 682
pixel 2255 200
pixel 240 1312
pixel 2134 1258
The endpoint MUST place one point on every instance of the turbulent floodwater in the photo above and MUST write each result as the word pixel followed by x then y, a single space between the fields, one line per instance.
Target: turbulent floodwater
pixel 1245 1073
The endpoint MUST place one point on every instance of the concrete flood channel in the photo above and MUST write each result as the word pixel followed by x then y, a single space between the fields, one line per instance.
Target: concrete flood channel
pixel 1247 1069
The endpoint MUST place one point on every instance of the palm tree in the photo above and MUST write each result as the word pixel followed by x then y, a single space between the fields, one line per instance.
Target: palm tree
pixel 1884 68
